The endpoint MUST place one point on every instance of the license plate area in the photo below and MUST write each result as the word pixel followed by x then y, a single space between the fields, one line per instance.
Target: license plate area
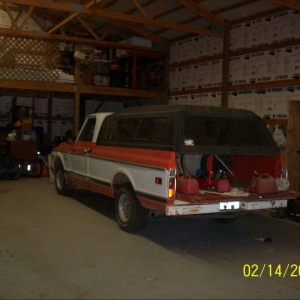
pixel 229 205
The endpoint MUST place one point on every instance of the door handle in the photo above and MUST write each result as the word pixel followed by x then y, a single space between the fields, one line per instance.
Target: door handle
pixel 87 150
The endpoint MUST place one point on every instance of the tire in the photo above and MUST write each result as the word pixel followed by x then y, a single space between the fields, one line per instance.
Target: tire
pixel 60 182
pixel 36 168
pixel 12 168
pixel 131 215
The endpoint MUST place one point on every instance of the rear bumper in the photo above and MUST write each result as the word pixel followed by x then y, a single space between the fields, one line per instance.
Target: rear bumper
pixel 183 208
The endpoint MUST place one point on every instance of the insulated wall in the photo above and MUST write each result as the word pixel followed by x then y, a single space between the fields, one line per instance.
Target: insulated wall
pixel 196 68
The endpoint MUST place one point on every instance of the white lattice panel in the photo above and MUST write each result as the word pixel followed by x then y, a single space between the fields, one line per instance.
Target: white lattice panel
pixel 28 59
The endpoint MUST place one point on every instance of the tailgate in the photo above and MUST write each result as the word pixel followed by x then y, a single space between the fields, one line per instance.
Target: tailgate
pixel 208 202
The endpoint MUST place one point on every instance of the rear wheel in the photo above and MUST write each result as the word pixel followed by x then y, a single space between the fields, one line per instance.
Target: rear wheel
pixel 12 168
pixel 131 215
pixel 61 185
pixel 35 168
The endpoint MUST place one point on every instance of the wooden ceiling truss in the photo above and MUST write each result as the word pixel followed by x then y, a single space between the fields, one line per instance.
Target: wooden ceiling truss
pixel 92 22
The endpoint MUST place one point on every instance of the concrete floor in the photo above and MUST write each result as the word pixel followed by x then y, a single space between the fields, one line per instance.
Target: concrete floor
pixel 71 248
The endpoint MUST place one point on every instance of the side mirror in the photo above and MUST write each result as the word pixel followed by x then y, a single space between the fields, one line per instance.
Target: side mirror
pixel 69 138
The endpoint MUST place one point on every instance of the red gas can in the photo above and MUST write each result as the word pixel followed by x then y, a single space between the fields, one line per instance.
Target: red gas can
pixel 263 184
pixel 223 186
pixel 187 185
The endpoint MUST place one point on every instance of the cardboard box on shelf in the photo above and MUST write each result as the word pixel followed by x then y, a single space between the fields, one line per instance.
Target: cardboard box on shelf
pixel 27 135
pixel 138 41
pixel 27 124
pixel 24 124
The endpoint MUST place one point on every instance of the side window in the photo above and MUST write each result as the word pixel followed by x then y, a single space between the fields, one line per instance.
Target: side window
pixel 127 129
pixel 141 129
pixel 88 130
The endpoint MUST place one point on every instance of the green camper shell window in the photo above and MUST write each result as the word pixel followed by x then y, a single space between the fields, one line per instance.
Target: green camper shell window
pixel 141 129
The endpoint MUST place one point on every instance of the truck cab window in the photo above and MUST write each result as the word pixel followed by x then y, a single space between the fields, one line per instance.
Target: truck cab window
pixel 88 130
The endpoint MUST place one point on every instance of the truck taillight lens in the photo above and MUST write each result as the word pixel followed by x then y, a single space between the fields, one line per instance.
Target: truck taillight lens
pixel 172 183
pixel 171 191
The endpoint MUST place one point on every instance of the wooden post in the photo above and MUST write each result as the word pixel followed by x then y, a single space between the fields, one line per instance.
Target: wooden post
pixel 164 100
pixel 77 94
pixel 225 69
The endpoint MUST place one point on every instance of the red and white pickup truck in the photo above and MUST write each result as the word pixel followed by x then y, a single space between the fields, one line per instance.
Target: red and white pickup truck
pixel 174 161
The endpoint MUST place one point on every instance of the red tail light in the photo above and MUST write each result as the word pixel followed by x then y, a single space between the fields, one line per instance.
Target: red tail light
pixel 171 191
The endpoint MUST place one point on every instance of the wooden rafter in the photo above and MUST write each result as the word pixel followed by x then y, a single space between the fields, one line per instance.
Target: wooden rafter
pixel 6 7
pixel 106 30
pixel 201 12
pixel 88 18
pixel 140 8
pixel 287 3
pixel 143 32
pixel 74 40
pixel 215 12
pixel 111 15
pixel 72 16
pixel 27 16
pixel 170 11
pixel 156 8
pixel 88 28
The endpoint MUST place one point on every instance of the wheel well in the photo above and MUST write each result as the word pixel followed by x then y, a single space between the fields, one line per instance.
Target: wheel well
pixel 57 163
pixel 119 180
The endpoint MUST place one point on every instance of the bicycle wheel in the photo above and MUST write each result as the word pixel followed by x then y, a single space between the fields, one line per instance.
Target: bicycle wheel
pixel 12 168
pixel 35 168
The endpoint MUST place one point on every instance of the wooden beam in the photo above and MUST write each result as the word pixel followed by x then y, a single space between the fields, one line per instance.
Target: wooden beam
pixel 147 34
pixel 112 15
pixel 106 31
pixel 139 7
pixel 122 92
pixel 215 12
pixel 287 3
pixel 88 28
pixel 72 16
pixel 37 86
pixel 29 12
pixel 77 93
pixel 88 18
pixel 18 16
pixel 156 8
pixel 158 23
pixel 266 84
pixel 201 12
pixel 71 39
pixel 13 22
pixel 259 15
pixel 225 66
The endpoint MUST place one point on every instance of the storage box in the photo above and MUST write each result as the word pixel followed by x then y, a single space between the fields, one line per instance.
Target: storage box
pixel 27 124
pixel 27 135
pixel 138 41
pixel 24 124
pixel 79 55
pixel 23 150
pixel 99 67
pixel 101 79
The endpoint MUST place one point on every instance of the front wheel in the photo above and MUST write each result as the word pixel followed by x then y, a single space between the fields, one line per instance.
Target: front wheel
pixel 12 168
pixel 131 215
pixel 35 168
pixel 61 185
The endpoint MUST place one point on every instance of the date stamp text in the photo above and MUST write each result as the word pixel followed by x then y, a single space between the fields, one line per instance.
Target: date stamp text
pixel 271 270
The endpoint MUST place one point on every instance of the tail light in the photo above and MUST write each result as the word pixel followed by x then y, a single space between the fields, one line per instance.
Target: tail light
pixel 172 184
